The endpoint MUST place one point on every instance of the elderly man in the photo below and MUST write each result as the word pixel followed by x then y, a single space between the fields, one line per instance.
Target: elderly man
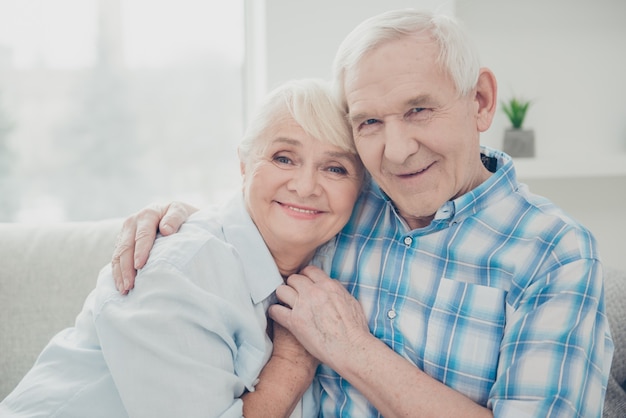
pixel 457 291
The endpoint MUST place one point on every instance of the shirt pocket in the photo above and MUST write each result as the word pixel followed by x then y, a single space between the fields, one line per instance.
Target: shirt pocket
pixel 464 333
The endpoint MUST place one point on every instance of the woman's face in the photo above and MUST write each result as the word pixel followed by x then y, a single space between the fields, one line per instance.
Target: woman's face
pixel 299 191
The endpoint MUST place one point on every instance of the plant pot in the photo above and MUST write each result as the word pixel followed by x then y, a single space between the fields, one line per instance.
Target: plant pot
pixel 519 142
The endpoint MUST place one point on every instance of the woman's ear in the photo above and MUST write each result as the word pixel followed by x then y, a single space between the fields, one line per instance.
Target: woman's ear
pixel 242 166
pixel 486 98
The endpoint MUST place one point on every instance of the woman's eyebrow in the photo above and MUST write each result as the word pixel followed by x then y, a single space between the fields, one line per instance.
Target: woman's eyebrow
pixel 346 155
pixel 340 154
pixel 286 140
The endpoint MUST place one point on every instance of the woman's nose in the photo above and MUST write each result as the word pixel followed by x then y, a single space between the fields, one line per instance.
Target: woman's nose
pixel 305 182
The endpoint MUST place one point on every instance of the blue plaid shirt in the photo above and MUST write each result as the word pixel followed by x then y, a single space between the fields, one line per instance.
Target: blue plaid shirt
pixel 500 298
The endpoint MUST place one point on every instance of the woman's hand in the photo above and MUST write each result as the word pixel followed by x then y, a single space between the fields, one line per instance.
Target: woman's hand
pixel 137 236
pixel 288 348
pixel 284 379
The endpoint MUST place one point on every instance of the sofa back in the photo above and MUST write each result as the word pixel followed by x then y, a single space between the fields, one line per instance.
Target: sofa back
pixel 46 272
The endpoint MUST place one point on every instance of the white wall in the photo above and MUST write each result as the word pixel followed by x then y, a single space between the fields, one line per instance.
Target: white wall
pixel 566 55
pixel 569 57
pixel 302 36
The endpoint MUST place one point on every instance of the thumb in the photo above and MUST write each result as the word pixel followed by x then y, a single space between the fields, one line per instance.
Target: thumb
pixel 280 314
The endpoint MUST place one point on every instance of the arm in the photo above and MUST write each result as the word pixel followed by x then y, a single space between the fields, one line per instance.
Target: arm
pixel 283 380
pixel 137 238
pixel 557 325
pixel 186 342
pixel 341 339
pixel 184 333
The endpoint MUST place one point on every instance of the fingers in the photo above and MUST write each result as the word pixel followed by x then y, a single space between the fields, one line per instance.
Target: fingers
pixel 315 274
pixel 175 214
pixel 287 295
pixel 146 224
pixel 137 238
pixel 122 263
pixel 130 254
pixel 280 314
pixel 165 219
pixel 117 275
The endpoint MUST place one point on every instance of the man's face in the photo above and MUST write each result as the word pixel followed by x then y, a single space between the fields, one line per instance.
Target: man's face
pixel 417 138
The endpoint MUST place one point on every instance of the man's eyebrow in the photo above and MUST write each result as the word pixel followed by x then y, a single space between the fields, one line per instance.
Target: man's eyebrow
pixel 357 117
pixel 417 101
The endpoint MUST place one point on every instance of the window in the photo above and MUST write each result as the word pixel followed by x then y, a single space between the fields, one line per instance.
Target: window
pixel 108 105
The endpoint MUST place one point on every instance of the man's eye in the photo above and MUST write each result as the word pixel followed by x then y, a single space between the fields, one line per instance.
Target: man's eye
pixel 419 113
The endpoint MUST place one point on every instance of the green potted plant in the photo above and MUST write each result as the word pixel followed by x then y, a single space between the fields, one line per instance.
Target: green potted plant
pixel 518 142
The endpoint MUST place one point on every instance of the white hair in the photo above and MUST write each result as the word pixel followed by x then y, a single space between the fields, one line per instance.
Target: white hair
pixel 457 55
pixel 311 105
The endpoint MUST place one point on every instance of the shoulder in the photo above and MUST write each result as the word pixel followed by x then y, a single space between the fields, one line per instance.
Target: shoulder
pixel 195 264
pixel 372 207
pixel 201 236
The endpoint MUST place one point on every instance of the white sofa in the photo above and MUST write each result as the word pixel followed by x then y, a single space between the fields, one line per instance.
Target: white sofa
pixel 46 271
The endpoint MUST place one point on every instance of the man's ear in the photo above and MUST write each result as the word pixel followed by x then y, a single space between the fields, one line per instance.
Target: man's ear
pixel 486 98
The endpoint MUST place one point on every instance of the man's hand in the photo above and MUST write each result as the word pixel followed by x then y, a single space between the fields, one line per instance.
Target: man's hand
pixel 321 314
pixel 331 325
pixel 137 236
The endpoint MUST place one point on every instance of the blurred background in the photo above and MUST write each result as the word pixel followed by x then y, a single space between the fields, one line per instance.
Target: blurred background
pixel 108 105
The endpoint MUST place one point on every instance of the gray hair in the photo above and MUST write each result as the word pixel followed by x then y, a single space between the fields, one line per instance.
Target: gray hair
pixel 457 55
pixel 311 104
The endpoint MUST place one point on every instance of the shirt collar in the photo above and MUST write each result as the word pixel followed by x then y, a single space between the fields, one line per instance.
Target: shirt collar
pixel 260 270
pixel 501 183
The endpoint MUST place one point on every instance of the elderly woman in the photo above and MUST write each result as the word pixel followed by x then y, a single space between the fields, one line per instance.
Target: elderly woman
pixel 192 339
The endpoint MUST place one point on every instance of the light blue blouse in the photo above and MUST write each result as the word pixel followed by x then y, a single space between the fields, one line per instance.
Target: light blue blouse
pixel 186 342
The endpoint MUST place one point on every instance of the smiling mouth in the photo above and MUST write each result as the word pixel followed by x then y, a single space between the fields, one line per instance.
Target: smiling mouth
pixel 299 209
pixel 416 173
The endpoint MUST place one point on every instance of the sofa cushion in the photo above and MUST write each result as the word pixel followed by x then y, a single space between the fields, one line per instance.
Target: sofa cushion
pixel 615 293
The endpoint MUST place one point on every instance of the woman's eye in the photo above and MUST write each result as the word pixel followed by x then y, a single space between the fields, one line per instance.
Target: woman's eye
pixel 282 159
pixel 370 122
pixel 338 170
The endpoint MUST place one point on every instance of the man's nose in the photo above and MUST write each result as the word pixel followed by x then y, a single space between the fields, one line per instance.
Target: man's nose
pixel 400 141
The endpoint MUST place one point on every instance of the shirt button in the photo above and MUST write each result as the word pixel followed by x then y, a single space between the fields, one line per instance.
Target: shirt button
pixel 408 240
pixel 391 314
